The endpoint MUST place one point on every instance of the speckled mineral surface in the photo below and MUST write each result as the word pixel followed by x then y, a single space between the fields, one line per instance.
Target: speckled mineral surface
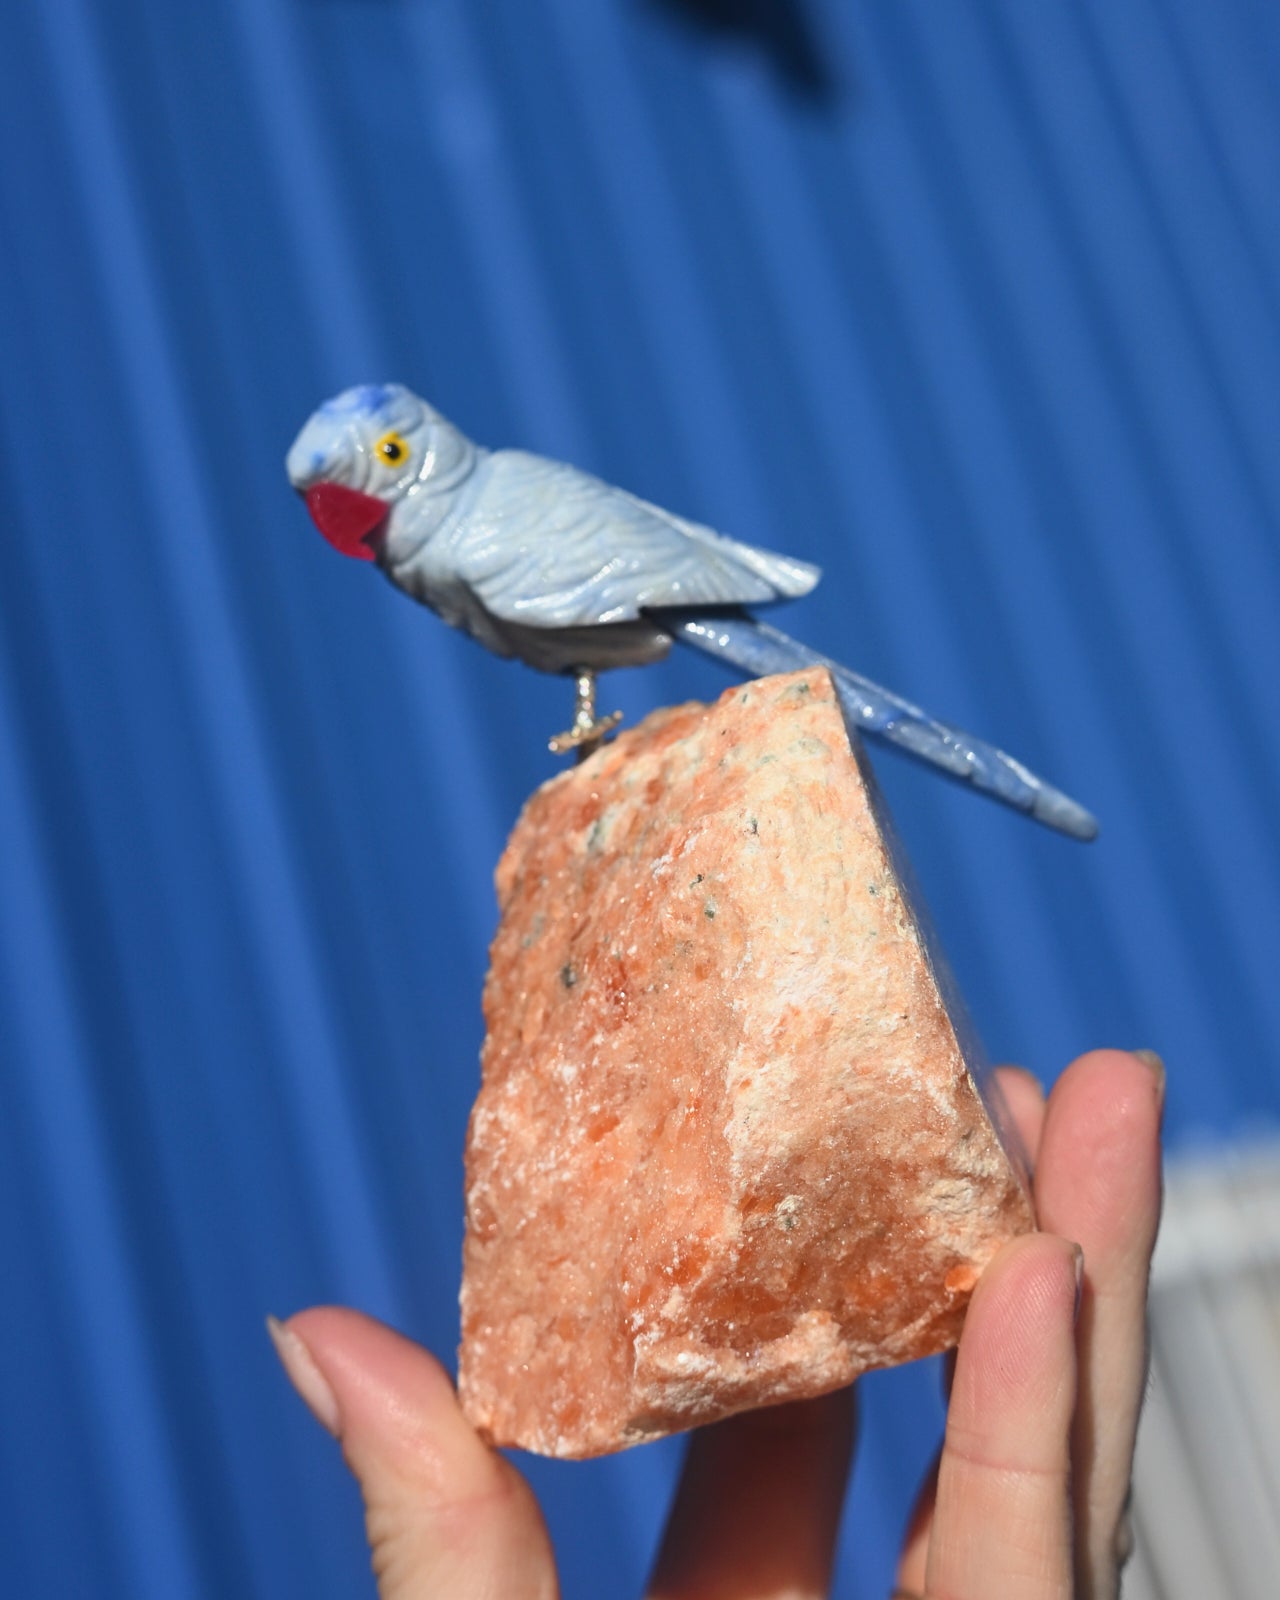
pixel 729 1147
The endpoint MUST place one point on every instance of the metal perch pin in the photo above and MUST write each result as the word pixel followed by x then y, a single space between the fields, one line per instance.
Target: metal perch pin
pixel 587 730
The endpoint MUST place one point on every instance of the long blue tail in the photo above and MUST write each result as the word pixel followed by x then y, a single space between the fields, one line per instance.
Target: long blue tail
pixel 759 650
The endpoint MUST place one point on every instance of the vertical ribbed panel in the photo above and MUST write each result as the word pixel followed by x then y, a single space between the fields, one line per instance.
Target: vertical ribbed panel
pixel 1207 1472
pixel 975 304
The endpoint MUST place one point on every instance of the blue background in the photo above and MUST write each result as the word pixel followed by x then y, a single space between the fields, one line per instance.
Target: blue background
pixel 976 304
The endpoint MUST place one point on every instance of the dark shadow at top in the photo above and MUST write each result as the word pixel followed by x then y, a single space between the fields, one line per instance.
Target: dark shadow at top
pixel 780 28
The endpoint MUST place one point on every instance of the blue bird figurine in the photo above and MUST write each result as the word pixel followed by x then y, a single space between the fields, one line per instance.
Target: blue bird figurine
pixel 538 560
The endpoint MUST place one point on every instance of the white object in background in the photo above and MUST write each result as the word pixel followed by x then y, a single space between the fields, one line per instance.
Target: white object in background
pixel 1207 1474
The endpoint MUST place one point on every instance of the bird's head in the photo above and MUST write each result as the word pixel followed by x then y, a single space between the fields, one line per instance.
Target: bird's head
pixel 363 454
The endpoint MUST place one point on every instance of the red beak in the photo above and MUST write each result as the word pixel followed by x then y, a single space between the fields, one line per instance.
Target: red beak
pixel 347 518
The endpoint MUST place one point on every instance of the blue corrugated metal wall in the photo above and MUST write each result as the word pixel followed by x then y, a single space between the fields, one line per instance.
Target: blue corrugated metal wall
pixel 975 303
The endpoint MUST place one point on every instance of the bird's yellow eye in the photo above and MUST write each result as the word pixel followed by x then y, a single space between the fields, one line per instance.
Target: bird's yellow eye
pixel 392 448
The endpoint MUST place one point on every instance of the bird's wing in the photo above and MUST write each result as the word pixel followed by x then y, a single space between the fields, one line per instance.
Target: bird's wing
pixel 548 546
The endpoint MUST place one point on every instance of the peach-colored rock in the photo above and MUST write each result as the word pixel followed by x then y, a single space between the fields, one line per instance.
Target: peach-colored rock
pixel 728 1149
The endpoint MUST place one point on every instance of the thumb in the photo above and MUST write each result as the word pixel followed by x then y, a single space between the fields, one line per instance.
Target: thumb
pixel 446 1516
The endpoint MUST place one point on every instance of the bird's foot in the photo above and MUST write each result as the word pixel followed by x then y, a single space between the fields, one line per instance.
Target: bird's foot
pixel 588 729
pixel 584 736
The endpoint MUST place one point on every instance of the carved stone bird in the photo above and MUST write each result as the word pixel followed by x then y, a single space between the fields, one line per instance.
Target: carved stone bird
pixel 541 561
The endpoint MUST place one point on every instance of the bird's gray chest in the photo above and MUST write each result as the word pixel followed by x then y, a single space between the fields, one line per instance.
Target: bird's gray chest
pixel 435 576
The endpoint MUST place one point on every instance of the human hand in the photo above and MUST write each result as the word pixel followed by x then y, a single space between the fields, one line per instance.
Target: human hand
pixel 1027 1501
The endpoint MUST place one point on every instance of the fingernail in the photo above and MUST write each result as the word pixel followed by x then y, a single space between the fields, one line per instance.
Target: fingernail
pixel 1150 1059
pixel 1079 1258
pixel 305 1376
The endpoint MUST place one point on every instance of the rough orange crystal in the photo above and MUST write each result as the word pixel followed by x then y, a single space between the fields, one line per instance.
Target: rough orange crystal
pixel 729 1148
